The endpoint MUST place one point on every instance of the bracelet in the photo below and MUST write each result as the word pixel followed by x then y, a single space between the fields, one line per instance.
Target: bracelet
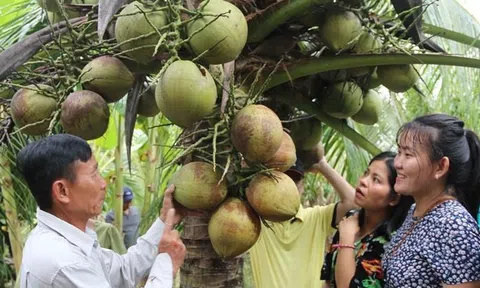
pixel 336 246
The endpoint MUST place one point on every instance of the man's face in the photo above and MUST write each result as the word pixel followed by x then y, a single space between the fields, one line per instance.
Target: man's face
pixel 87 193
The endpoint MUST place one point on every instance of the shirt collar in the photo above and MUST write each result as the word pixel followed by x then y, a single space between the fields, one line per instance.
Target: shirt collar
pixel 84 240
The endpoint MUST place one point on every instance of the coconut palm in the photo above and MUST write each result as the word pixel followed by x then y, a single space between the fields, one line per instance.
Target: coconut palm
pixel 348 144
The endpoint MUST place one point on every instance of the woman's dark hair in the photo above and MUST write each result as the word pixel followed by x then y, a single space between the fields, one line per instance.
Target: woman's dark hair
pixel 444 136
pixel 399 211
pixel 49 159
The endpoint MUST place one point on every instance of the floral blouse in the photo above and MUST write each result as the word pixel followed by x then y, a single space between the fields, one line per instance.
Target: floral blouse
pixel 369 251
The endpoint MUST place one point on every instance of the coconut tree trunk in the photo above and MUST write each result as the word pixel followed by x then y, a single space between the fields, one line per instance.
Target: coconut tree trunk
pixel 202 266
pixel 9 203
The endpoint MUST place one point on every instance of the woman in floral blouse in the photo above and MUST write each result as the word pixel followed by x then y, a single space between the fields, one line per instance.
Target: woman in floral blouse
pixel 355 257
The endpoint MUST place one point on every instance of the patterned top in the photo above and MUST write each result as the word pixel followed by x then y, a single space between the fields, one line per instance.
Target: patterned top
pixel 443 248
pixel 368 251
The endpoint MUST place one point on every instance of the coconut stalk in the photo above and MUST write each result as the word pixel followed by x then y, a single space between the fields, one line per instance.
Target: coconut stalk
pixel 10 207
pixel 151 168
pixel 451 35
pixel 118 206
pixel 327 63
pixel 268 21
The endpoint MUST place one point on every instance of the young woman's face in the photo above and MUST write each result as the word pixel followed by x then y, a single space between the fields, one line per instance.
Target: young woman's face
pixel 373 189
pixel 414 168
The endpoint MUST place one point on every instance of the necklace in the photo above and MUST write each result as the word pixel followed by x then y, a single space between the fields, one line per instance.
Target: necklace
pixel 417 220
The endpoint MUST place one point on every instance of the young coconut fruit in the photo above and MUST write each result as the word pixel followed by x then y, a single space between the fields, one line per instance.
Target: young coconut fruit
pixel 397 78
pixel 107 76
pixel 342 100
pixel 340 29
pixel 372 80
pixel 286 155
pixel 257 133
pixel 85 114
pixel 197 186
pixel 186 93
pixel 234 228
pixel 32 105
pixel 306 133
pixel 371 109
pixel 51 5
pixel 132 23
pixel 147 105
pixel 275 197
pixel 366 44
pixel 223 38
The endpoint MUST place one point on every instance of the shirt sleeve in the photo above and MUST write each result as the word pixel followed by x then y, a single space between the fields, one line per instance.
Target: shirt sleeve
pixel 457 257
pixel 161 275
pixel 324 216
pixel 128 269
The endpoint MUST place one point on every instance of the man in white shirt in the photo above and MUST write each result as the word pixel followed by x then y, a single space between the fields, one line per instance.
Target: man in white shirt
pixel 62 251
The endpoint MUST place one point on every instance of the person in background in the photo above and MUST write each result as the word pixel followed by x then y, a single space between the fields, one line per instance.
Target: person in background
pixel 355 256
pixel 131 218
pixel 438 245
pixel 290 254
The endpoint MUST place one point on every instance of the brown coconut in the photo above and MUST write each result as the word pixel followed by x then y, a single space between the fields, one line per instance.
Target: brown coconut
pixel 85 114
pixel 132 23
pixel 342 100
pixel 234 228
pixel 257 133
pixel 31 106
pixel 274 198
pixel 107 76
pixel 397 78
pixel 186 93
pixel 197 186
pixel 286 155
pixel 147 105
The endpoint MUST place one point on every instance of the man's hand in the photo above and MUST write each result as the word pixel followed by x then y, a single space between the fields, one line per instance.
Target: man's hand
pixel 171 242
pixel 170 203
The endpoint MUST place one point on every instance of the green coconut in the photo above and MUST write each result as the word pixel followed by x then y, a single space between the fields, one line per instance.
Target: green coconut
pixel 223 38
pixel 233 228
pixel 197 186
pixel 342 100
pixel 147 105
pixel 257 133
pixel 340 29
pixel 186 93
pixel 132 23
pixel 51 5
pixel 85 114
pixel 306 133
pixel 107 76
pixel 33 105
pixel 371 109
pixel 274 197
pixel 372 81
pixel 366 44
pixel 397 78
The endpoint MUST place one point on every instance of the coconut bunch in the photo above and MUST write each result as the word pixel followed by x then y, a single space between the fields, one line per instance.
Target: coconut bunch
pixel 84 112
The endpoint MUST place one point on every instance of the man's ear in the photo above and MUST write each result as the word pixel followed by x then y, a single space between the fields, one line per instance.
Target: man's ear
pixel 60 191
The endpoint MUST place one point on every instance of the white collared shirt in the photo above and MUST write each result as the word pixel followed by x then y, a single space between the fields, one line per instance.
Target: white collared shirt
pixel 57 254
